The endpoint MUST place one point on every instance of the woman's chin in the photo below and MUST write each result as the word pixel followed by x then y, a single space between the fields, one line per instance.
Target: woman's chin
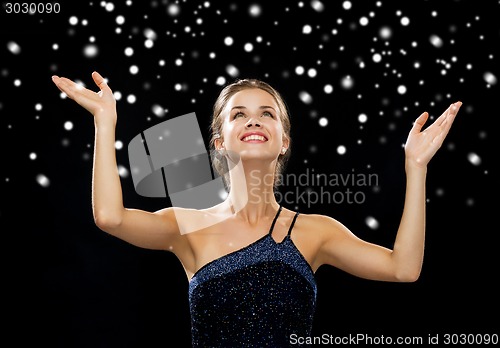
pixel 257 154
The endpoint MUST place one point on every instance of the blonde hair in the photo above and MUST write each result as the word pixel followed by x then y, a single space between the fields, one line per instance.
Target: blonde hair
pixel 219 163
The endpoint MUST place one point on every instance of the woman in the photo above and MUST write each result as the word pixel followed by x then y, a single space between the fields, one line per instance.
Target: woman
pixel 251 272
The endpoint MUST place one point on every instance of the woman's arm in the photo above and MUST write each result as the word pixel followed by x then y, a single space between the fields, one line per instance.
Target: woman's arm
pixel 420 147
pixel 156 230
pixel 343 249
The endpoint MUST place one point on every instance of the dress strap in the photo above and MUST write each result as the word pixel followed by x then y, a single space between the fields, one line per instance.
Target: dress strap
pixel 293 223
pixel 274 221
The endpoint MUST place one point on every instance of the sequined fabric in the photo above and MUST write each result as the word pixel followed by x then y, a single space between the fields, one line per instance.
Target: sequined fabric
pixel 257 296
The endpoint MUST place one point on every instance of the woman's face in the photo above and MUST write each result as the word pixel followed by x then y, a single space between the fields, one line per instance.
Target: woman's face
pixel 252 125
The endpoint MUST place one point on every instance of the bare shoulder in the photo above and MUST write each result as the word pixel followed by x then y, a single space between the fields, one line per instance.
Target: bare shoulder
pixel 188 220
pixel 314 232
pixel 320 223
pixel 322 228
pixel 311 232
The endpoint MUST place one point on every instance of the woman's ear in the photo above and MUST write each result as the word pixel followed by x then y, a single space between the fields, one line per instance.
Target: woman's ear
pixel 286 143
pixel 219 144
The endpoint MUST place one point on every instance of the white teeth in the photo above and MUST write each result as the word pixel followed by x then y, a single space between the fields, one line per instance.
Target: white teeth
pixel 254 137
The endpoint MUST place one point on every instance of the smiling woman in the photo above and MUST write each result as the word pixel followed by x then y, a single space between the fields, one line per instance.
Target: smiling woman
pixel 251 280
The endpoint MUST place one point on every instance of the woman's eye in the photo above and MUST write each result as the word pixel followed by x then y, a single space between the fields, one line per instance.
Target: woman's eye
pixel 267 113
pixel 239 114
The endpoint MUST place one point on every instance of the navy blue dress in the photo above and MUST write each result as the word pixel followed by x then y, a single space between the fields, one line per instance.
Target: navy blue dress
pixel 257 296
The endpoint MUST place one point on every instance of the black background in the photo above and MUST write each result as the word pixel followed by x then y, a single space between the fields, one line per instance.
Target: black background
pixel 68 284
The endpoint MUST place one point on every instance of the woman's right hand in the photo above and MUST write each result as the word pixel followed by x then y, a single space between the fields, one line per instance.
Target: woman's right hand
pixel 97 103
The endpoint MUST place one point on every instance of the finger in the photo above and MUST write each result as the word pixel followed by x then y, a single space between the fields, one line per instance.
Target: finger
pixel 451 112
pixel 63 84
pixel 64 80
pixel 56 80
pixel 438 139
pixel 71 89
pixel 443 129
pixel 419 122
pixel 441 119
pixel 446 125
pixel 99 80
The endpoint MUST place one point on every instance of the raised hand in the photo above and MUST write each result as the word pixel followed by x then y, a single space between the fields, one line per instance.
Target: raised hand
pixel 421 145
pixel 97 103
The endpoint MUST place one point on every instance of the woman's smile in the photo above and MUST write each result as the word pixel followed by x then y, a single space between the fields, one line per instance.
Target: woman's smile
pixel 254 137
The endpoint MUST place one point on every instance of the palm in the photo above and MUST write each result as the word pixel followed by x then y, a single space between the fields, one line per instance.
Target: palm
pixel 421 145
pixel 94 102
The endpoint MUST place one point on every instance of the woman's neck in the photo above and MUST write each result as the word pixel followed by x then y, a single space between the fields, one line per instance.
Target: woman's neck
pixel 252 191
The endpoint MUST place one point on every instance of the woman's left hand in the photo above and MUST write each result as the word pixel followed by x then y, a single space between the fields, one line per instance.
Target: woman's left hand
pixel 421 145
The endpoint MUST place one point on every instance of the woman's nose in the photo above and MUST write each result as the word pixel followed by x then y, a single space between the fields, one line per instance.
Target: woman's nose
pixel 251 122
